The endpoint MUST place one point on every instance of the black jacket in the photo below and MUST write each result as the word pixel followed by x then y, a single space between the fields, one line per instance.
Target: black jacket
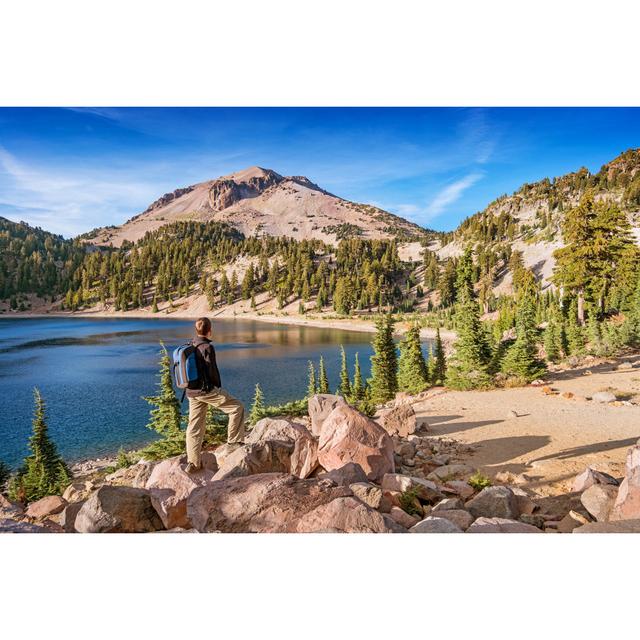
pixel 205 347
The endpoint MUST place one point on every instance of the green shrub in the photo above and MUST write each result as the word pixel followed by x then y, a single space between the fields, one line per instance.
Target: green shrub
pixel 479 481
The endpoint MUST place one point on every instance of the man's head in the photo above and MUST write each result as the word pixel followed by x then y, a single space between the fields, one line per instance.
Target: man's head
pixel 203 327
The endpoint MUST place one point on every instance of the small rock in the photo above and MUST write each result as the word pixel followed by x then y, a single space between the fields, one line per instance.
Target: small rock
pixel 346 475
pixel 572 520
pixel 494 502
pixel 450 471
pixel 448 503
pixel 424 489
pixel 590 477
pixel 501 525
pixel 434 524
pixel 406 449
pixel 598 500
pixel 403 518
pixel 45 507
pixel 69 515
pixel 369 493
pixel 533 520
pixel 9 509
pixel 624 366
pixel 459 517
pixel 458 487
pixel 13 526
pixel 603 396
pixel 568 395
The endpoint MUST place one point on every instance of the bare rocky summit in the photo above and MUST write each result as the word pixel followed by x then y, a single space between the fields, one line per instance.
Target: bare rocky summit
pixel 259 201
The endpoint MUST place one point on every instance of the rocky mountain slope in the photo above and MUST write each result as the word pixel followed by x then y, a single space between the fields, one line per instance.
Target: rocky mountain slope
pixel 261 201
pixel 530 219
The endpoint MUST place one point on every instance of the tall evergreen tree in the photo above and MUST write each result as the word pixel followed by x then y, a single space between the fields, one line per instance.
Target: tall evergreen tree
pixel 384 362
pixel 358 388
pixel 312 386
pixel 438 374
pixel 468 368
pixel 344 389
pixel 521 360
pixel 323 381
pixel 44 472
pixel 412 368
pixel 553 339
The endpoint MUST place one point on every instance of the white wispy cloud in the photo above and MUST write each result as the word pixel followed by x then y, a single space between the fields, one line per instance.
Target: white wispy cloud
pixel 450 194
pixel 67 201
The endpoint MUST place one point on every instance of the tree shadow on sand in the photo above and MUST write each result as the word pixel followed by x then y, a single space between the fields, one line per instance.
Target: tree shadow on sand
pixel 498 451
pixel 435 426
pixel 596 447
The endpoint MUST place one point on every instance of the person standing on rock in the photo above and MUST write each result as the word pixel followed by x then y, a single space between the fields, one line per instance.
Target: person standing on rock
pixel 211 394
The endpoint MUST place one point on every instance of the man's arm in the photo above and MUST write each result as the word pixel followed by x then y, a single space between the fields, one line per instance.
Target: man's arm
pixel 212 366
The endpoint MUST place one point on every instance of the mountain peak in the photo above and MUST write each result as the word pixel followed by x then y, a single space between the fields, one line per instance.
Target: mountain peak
pixel 251 173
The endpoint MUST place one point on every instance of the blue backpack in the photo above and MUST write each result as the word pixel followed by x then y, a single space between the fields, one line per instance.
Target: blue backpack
pixel 189 368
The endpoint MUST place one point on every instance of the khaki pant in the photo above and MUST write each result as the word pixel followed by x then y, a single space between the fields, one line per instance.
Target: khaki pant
pixel 220 399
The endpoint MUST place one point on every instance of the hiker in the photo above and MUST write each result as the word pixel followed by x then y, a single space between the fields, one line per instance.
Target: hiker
pixel 212 394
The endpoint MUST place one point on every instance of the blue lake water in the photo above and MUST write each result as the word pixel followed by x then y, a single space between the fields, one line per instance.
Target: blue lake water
pixel 93 373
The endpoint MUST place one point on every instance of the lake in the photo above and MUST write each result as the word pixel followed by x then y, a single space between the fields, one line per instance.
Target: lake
pixel 93 373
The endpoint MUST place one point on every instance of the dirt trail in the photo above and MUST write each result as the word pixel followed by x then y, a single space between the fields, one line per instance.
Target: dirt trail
pixel 554 438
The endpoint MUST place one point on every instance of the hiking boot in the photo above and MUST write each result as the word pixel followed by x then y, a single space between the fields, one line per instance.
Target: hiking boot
pixel 192 468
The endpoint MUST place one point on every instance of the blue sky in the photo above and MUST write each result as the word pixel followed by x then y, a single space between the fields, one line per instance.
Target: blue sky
pixel 70 170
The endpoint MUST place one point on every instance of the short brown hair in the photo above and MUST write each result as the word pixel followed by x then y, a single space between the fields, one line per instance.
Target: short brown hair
pixel 203 326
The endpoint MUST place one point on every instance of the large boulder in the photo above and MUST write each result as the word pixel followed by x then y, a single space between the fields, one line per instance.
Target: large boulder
pixel 599 499
pixel 272 456
pixel 118 510
pixel 320 406
pixel 589 477
pixel 620 526
pixel 45 507
pixel 8 525
pixel 349 436
pixel 135 475
pixel 345 475
pixel 267 502
pixel 399 420
pixel 304 457
pixel 494 502
pixel 68 517
pixel 425 490
pixel 501 525
pixel 435 524
pixel 169 486
pixel 343 515
pixel 627 504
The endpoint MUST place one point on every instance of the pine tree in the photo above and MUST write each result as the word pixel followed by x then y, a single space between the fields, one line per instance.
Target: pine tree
pixel 44 472
pixel 312 386
pixel 384 362
pixel 464 276
pixel 344 389
pixel 553 339
pixel 257 408
pixel 358 388
pixel 166 418
pixel 154 308
pixel 413 375
pixel 469 366
pixel 521 360
pixel 323 381
pixel 438 374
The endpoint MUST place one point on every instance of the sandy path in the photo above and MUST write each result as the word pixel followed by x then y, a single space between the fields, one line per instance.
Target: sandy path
pixel 554 438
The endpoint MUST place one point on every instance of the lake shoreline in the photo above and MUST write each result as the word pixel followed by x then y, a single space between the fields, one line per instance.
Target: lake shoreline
pixel 345 324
